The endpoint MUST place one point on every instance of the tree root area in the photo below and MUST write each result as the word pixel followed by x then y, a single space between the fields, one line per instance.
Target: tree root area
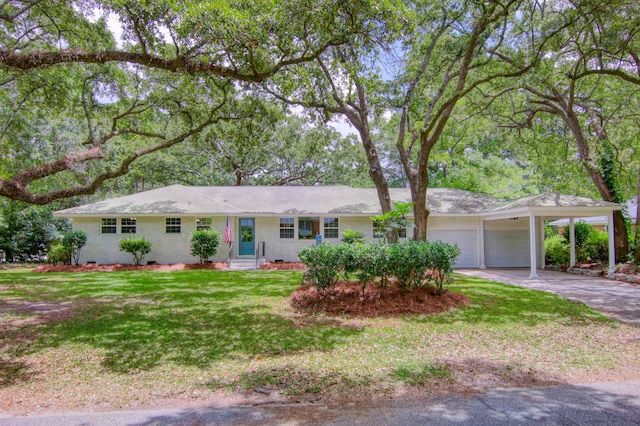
pixel 392 300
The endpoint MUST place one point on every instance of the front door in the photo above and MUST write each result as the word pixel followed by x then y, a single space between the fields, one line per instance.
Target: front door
pixel 247 237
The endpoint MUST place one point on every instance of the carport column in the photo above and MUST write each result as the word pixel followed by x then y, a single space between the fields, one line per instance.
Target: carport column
pixel 533 242
pixel 481 245
pixel 612 245
pixel 572 243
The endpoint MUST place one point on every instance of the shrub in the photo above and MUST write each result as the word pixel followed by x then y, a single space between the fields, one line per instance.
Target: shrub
pixel 325 262
pixel 408 262
pixel 59 254
pixel 582 231
pixel 596 247
pixel 350 236
pixel 556 250
pixel 204 243
pixel 137 246
pixel 74 241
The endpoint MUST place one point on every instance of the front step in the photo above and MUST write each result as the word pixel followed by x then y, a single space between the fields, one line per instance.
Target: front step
pixel 244 264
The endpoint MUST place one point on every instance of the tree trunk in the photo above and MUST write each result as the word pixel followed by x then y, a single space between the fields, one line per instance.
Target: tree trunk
pixel 621 238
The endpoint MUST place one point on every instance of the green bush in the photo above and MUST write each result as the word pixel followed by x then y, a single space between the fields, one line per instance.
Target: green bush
pixel 137 246
pixel 74 241
pixel 350 236
pixel 324 262
pixel 596 247
pixel 582 231
pixel 408 261
pixel 556 250
pixel 204 243
pixel 59 254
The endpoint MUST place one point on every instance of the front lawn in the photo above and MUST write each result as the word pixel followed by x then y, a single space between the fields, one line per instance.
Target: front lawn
pixel 129 339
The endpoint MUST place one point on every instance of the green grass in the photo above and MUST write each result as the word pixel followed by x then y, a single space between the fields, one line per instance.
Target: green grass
pixel 235 330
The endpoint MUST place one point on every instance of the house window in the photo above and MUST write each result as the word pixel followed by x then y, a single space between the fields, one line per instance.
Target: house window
pixel 128 225
pixel 173 225
pixel 203 223
pixel 378 230
pixel 331 227
pixel 286 227
pixel 308 227
pixel 109 225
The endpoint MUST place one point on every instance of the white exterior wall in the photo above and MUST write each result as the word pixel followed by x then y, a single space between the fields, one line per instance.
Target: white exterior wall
pixel 174 248
pixel 165 248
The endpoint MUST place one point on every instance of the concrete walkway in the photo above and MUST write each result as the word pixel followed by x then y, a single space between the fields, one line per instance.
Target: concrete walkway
pixel 613 298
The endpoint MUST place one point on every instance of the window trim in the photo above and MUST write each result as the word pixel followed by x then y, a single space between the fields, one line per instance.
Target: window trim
pixel 167 225
pixel 202 226
pixel 131 228
pixel 114 226
pixel 291 228
pixel 335 228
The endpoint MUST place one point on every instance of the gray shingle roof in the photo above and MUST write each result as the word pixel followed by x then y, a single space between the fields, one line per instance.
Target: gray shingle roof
pixel 296 200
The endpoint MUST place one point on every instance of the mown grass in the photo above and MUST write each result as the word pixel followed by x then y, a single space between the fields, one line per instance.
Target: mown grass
pixel 188 331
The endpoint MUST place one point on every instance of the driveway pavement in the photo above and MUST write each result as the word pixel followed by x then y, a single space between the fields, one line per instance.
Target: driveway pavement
pixel 616 299
pixel 605 404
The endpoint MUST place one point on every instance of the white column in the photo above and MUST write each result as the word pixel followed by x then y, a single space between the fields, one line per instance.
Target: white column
pixel 572 242
pixel 543 254
pixel 533 242
pixel 612 245
pixel 481 245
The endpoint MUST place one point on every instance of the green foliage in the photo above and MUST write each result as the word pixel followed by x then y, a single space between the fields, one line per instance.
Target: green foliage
pixel 325 262
pixel 204 243
pixel 349 236
pixel 59 254
pixel 582 231
pixel 596 248
pixel 27 232
pixel 74 241
pixel 135 245
pixel 556 250
pixel 592 245
pixel 389 224
pixel 412 263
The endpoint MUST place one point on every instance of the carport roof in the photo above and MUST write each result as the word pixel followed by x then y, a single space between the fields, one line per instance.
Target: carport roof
pixel 301 200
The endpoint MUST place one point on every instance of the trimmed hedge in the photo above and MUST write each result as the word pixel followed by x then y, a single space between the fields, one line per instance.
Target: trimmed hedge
pixel 412 263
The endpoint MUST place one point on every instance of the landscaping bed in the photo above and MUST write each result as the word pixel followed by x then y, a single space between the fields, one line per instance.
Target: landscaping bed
pixel 348 298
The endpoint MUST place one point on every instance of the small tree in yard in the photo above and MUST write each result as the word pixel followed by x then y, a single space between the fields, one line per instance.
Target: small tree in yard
pixel 137 246
pixel 74 241
pixel 204 243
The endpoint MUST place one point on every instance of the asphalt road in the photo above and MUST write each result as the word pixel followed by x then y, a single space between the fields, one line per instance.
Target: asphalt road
pixel 597 404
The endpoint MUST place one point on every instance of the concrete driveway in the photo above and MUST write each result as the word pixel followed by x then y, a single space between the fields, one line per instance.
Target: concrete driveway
pixel 615 299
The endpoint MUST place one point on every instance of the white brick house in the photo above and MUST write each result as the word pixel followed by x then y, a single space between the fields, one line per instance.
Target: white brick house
pixel 490 232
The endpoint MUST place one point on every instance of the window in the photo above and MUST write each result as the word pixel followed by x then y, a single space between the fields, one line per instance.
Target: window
pixel 378 230
pixel 286 227
pixel 308 227
pixel 128 225
pixel 203 223
pixel 109 225
pixel 331 227
pixel 173 225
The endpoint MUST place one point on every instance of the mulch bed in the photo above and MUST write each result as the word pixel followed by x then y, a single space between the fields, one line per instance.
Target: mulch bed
pixel 347 298
pixel 128 267
pixel 284 266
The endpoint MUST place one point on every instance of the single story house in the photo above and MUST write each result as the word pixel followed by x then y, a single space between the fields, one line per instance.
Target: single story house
pixel 273 223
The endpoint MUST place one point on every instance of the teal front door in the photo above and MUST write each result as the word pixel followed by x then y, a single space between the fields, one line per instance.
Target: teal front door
pixel 247 237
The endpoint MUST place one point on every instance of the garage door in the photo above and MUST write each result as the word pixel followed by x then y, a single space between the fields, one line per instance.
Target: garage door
pixel 507 249
pixel 467 241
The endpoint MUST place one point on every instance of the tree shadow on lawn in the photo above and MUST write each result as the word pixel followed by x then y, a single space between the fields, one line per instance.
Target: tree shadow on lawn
pixel 139 336
pixel 498 303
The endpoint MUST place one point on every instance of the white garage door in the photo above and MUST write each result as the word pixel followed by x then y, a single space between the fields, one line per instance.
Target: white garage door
pixel 507 249
pixel 467 241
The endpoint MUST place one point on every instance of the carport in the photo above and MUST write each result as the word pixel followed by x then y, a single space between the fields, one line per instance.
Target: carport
pixel 513 233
